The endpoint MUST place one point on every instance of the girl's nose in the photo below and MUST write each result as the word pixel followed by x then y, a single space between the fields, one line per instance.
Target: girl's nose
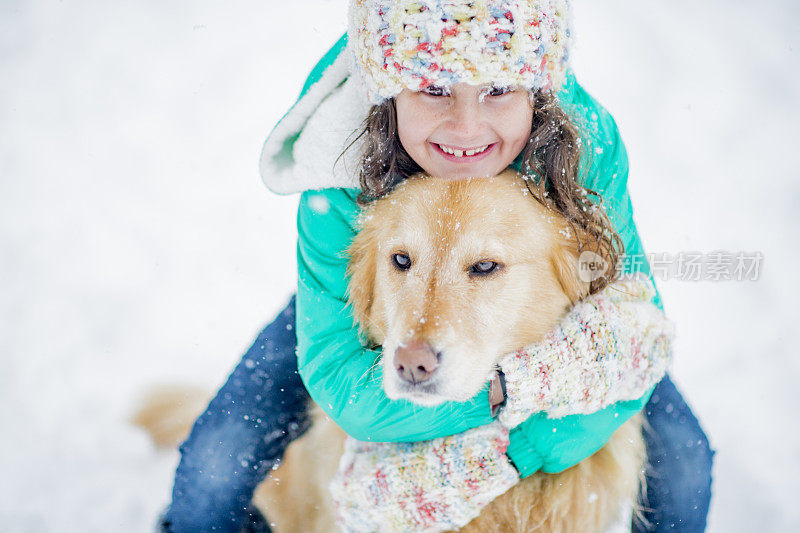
pixel 464 116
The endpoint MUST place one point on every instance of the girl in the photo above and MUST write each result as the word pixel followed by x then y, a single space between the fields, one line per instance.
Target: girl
pixel 445 106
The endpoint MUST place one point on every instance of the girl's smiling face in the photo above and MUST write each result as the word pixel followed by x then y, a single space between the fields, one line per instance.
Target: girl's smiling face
pixel 465 130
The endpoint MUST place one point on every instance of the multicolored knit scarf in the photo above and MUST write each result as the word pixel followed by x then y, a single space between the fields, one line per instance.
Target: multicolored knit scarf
pixel 414 44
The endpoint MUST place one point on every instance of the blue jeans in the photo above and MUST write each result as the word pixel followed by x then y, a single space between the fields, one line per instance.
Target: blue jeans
pixel 679 470
pixel 241 435
pixel 262 408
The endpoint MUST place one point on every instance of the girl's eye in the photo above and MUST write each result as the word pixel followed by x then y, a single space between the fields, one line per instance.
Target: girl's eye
pixel 497 91
pixel 483 268
pixel 434 90
pixel 401 261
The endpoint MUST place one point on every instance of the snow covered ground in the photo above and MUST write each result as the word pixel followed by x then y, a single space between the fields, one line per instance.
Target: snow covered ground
pixel 138 245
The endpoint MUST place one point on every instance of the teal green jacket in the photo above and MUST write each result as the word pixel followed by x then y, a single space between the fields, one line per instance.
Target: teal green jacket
pixel 341 374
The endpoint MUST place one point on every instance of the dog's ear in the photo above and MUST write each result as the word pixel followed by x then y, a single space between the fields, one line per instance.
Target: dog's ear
pixel 566 263
pixel 361 271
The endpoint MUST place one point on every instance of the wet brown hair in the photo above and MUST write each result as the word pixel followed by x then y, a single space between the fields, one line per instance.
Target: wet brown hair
pixel 552 152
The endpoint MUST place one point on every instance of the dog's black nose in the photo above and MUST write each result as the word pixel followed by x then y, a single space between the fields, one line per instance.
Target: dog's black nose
pixel 415 361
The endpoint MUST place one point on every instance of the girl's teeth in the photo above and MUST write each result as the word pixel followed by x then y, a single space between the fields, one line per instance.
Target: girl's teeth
pixel 462 153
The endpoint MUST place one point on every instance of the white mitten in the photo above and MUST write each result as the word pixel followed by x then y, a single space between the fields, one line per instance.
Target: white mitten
pixel 434 485
pixel 611 346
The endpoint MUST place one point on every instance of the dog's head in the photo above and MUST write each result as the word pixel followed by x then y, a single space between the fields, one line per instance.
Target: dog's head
pixel 448 276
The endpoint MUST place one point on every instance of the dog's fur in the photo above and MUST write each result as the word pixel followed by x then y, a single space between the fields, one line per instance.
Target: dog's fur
pixel 471 320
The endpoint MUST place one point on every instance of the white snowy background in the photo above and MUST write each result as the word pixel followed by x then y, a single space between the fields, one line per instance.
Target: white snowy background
pixel 138 245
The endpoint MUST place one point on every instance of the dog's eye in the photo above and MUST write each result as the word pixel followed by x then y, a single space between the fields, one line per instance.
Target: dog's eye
pixel 401 261
pixel 483 268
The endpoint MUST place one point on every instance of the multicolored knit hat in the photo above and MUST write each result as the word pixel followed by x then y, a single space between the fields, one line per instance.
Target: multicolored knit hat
pixel 413 44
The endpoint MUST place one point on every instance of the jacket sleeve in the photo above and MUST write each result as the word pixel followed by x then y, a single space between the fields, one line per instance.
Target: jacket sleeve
pixel 555 444
pixel 341 375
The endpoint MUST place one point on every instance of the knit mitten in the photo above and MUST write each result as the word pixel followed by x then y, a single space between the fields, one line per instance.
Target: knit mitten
pixel 434 485
pixel 611 346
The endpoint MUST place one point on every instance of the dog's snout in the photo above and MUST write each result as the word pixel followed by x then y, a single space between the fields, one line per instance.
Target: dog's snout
pixel 416 361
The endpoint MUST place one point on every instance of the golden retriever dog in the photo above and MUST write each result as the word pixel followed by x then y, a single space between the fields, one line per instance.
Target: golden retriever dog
pixel 449 276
